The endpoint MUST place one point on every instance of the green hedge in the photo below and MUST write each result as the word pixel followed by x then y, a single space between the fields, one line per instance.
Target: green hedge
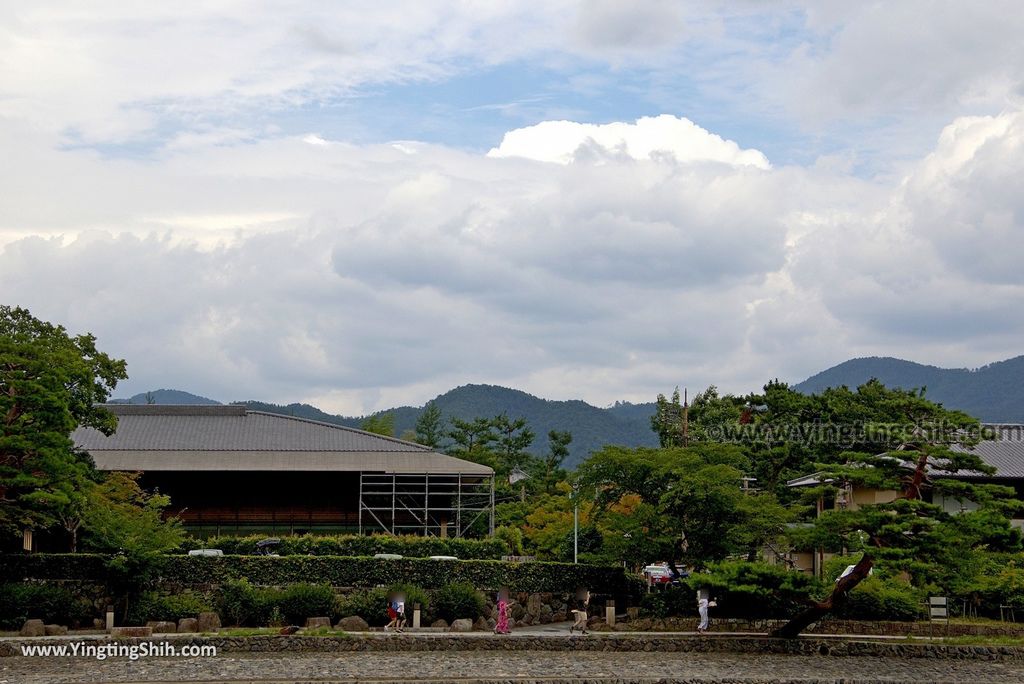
pixel 51 604
pixel 152 605
pixel 188 571
pixel 410 546
pixel 884 599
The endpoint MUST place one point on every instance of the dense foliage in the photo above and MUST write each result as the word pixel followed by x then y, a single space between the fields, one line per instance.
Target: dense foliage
pixel 456 601
pixel 53 604
pixel 410 546
pixel 334 570
pixel 50 383
pixel 155 605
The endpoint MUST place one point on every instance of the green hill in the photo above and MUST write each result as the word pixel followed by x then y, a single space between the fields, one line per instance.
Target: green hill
pixel 992 393
pixel 591 427
pixel 166 396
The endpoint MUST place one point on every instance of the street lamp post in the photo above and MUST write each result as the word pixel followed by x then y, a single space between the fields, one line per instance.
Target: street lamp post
pixel 575 530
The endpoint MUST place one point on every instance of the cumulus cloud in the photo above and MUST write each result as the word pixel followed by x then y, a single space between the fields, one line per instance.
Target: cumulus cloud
pixel 158 202
pixel 363 275
pixel 649 137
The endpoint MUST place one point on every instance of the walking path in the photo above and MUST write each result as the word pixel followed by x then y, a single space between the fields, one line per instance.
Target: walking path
pixel 459 666
pixel 468 667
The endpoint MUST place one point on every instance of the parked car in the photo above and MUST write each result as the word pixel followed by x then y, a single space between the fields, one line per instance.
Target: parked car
pixel 661 573
pixel 443 558
pixel 388 556
pixel 267 547
pixel 206 552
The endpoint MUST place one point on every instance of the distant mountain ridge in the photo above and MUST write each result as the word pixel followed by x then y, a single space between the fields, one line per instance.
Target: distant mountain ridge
pixel 992 393
pixel 167 396
pixel 591 427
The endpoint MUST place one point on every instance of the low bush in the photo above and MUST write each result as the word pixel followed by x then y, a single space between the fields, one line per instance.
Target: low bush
pixel 49 603
pixel 674 601
pixel 242 604
pixel 369 604
pixel 883 599
pixel 301 601
pixel 456 601
pixel 152 605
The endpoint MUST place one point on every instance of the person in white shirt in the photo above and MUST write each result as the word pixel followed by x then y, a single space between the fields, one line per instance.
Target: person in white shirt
pixel 703 600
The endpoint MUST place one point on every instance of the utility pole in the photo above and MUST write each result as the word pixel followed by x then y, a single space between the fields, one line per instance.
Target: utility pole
pixel 576 526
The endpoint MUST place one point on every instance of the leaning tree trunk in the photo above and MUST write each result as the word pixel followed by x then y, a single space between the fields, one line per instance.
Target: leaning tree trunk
pixel 837 598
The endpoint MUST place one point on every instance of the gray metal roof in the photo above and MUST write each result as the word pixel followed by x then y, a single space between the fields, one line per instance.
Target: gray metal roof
pixel 161 437
pixel 1006 456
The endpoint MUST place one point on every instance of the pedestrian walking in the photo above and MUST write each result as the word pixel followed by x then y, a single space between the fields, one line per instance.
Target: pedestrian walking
pixel 703 602
pixel 580 612
pixel 501 625
pixel 392 614
pixel 400 611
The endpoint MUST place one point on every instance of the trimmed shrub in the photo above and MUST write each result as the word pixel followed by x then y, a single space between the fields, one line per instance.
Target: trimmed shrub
pixel 410 546
pixel 300 601
pixel 152 605
pixel 369 604
pixel 52 604
pixel 884 599
pixel 241 603
pixel 676 601
pixel 336 571
pixel 457 601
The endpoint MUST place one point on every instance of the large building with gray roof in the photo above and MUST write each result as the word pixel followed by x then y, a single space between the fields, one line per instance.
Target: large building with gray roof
pixel 229 470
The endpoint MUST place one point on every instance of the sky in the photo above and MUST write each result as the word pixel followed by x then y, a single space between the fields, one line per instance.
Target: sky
pixel 363 205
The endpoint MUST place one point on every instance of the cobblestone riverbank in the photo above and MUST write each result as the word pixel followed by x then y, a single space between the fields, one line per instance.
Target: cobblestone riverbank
pixel 522 667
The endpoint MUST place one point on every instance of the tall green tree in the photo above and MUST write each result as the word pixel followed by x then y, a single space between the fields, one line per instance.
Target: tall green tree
pixel 50 383
pixel 702 512
pixel 379 424
pixel 514 438
pixel 558 451
pixel 129 523
pixel 430 426
pixel 473 440
pixel 667 421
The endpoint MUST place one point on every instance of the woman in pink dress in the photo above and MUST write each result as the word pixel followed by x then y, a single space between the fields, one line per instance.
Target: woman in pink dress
pixel 501 626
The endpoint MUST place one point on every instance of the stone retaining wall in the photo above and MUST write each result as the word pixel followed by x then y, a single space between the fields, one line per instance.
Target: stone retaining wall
pixel 608 643
pixel 828 626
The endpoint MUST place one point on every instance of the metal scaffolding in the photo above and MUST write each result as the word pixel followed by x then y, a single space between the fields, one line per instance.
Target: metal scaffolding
pixel 428 503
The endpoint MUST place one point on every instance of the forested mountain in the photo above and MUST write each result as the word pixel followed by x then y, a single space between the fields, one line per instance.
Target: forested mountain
pixel 591 427
pixel 992 393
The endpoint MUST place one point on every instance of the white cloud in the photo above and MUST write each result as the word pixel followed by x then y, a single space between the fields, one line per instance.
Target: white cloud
pixel 607 261
pixel 364 276
pixel 650 137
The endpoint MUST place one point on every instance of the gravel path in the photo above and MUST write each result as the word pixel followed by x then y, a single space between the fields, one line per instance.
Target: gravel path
pixel 508 667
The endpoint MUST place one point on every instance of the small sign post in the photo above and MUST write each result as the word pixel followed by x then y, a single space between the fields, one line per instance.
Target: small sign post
pixel 938 611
